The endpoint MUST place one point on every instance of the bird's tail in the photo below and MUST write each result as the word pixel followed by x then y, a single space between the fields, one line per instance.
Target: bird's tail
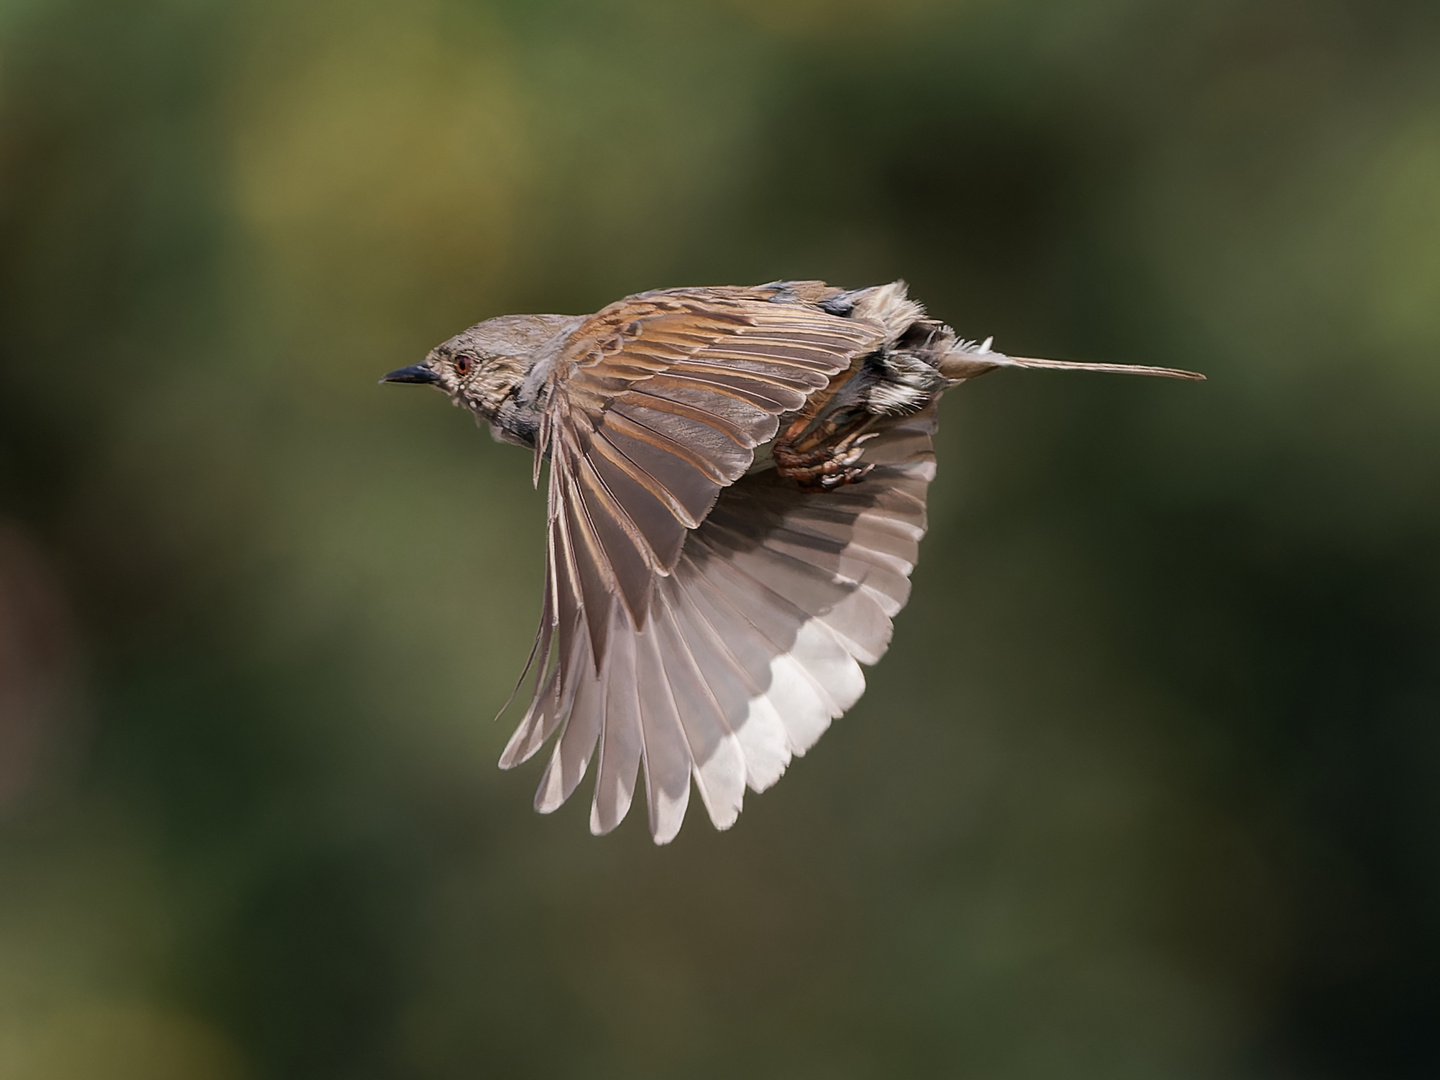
pixel 966 361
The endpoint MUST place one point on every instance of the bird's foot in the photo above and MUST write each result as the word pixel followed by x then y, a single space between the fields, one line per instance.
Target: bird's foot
pixel 825 466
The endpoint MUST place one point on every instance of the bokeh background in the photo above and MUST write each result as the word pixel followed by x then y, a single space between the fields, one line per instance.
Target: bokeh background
pixel 1147 786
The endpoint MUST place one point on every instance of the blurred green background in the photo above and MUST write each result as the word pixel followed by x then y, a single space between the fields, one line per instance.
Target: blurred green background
pixel 1147 786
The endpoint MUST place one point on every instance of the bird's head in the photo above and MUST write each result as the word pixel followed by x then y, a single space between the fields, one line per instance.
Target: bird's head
pixel 485 368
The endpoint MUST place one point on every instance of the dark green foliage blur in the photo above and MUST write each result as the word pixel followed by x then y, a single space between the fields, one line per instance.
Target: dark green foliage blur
pixel 1149 784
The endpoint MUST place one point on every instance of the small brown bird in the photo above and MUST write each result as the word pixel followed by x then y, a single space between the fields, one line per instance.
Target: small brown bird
pixel 736 499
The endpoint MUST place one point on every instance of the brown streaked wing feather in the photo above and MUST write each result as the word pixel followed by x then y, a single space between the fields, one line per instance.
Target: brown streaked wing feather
pixel 754 644
pixel 656 404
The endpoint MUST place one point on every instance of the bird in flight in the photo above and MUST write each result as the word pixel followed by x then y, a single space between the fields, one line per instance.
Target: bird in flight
pixel 737 492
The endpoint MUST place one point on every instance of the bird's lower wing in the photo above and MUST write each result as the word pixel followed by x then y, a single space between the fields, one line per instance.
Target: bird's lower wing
pixel 753 645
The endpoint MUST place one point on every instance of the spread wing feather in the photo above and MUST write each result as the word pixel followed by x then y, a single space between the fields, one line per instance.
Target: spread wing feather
pixel 753 643
pixel 701 624
pixel 657 403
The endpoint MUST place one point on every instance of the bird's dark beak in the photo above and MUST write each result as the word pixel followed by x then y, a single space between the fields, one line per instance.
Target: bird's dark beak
pixel 416 373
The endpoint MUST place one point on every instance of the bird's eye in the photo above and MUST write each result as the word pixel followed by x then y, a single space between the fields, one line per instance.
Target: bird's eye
pixel 462 365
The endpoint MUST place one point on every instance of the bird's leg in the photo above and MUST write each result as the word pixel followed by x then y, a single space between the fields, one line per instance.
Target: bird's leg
pixel 825 453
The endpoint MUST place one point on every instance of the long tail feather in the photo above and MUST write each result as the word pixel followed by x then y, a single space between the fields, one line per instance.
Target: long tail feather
pixel 967 364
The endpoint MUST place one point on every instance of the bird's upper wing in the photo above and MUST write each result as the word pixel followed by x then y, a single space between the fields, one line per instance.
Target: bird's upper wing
pixel 656 403
pixel 700 621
